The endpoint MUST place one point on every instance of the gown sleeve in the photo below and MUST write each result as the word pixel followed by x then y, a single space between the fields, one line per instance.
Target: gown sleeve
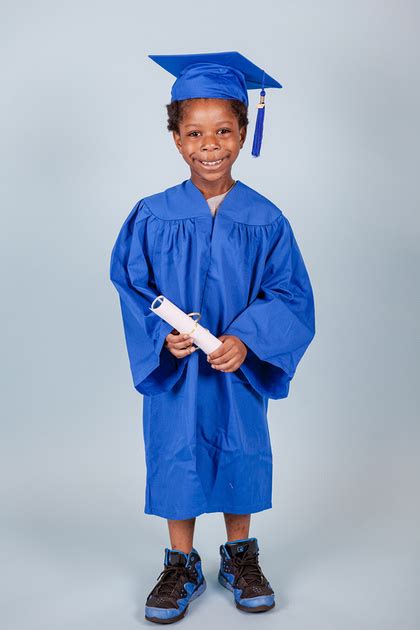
pixel 154 369
pixel 279 324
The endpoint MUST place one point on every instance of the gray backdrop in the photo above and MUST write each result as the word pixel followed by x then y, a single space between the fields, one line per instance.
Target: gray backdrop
pixel 83 138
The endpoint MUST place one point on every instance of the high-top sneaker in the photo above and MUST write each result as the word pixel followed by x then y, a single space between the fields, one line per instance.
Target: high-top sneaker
pixel 241 573
pixel 179 583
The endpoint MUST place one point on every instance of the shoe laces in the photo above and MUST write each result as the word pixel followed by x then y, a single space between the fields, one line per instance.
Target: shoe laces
pixel 248 568
pixel 170 583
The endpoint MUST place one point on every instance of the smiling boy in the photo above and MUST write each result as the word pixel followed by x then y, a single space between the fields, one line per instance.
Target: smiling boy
pixel 213 245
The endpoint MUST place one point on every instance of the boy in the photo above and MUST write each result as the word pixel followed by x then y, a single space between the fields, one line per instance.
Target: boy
pixel 216 246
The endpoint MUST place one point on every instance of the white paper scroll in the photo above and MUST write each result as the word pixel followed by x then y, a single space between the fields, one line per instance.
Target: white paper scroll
pixel 184 324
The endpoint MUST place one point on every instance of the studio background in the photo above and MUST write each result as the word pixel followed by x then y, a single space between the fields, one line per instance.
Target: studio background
pixel 84 137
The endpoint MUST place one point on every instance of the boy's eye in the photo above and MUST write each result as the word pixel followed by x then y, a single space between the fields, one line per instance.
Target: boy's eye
pixel 194 134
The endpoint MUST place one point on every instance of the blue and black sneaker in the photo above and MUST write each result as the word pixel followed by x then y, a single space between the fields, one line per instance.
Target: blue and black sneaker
pixel 241 573
pixel 180 582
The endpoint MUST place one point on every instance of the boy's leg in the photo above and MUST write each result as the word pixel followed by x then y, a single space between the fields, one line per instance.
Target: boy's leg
pixel 181 580
pixel 181 533
pixel 237 526
pixel 240 571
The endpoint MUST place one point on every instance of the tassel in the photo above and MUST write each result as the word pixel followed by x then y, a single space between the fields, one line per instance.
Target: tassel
pixel 259 124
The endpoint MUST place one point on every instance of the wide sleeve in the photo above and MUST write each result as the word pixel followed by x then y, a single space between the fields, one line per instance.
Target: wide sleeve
pixel 279 324
pixel 154 369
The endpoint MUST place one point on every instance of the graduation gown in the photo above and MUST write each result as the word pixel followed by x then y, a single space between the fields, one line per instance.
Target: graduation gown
pixel 206 434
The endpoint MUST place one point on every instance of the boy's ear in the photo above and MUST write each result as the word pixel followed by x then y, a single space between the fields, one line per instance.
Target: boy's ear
pixel 242 135
pixel 177 139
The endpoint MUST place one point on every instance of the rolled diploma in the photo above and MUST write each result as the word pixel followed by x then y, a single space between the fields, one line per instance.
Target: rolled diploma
pixel 185 324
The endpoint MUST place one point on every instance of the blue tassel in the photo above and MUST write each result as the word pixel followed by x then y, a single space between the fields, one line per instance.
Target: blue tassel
pixel 259 124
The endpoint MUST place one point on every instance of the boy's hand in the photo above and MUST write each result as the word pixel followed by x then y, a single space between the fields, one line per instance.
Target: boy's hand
pixel 230 356
pixel 179 345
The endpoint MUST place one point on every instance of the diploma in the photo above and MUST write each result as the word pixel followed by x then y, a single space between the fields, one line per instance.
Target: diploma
pixel 185 324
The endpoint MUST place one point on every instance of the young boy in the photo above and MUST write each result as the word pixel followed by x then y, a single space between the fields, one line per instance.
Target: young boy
pixel 215 246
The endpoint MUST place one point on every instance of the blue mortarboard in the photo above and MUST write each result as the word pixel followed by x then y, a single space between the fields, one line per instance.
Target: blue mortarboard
pixel 225 75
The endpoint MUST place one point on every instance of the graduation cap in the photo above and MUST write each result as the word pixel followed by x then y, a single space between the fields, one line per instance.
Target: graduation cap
pixel 227 75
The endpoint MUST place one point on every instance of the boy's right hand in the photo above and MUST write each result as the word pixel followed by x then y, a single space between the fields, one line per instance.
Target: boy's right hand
pixel 179 345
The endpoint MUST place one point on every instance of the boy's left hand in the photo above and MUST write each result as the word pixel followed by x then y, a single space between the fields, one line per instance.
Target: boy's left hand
pixel 230 356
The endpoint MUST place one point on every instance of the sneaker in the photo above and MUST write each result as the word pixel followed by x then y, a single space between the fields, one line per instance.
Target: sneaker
pixel 241 573
pixel 180 582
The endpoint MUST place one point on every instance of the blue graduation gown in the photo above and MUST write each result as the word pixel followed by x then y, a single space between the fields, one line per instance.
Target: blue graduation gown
pixel 206 434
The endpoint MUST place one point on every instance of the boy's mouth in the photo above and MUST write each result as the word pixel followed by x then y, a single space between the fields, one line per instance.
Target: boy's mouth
pixel 211 163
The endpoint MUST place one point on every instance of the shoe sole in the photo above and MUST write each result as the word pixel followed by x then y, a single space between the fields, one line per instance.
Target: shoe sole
pixel 224 582
pixel 196 594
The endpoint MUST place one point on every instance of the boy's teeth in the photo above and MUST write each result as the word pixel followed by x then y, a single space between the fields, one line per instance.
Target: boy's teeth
pixel 211 163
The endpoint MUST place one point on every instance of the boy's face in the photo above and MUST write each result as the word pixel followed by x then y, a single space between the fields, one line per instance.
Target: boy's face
pixel 209 132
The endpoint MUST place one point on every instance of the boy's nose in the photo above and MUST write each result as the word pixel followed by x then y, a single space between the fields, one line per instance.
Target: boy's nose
pixel 210 146
pixel 210 141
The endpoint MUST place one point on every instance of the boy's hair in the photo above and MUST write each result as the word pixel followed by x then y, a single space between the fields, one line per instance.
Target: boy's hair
pixel 176 109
